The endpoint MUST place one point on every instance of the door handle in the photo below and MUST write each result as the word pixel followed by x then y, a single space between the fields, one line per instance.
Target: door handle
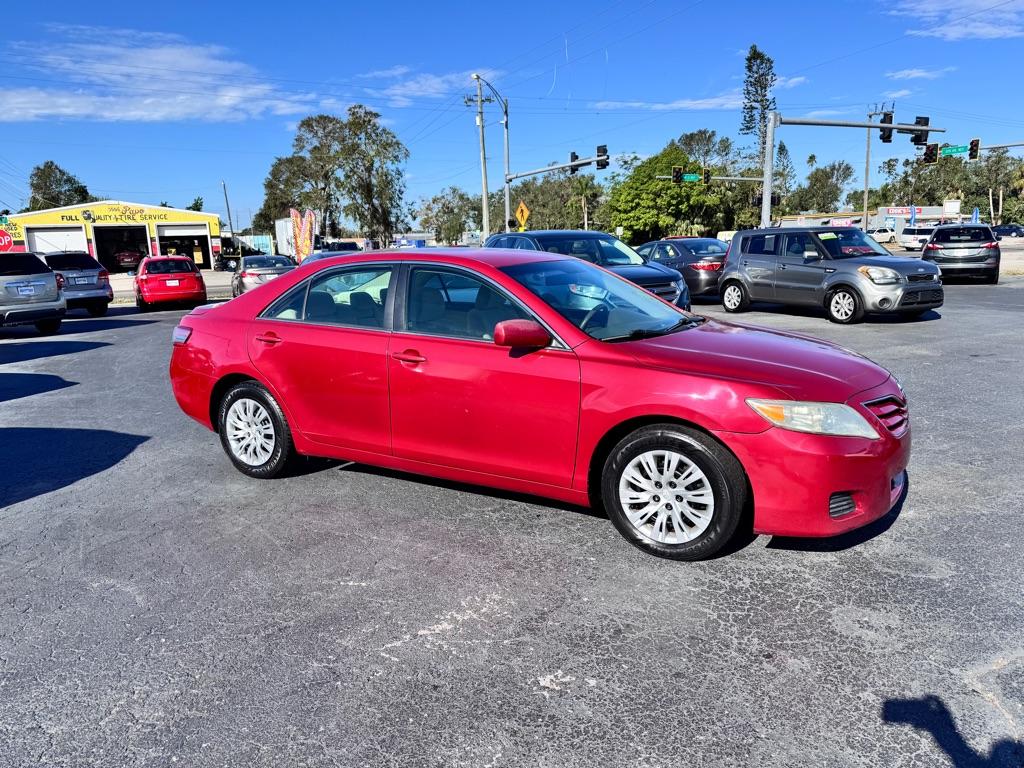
pixel 782 266
pixel 409 356
pixel 269 338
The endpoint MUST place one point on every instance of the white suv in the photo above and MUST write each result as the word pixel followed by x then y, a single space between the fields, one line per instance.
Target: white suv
pixel 914 238
pixel 883 235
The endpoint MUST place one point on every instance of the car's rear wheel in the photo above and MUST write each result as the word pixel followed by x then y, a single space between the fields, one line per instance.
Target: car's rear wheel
pixel 253 431
pixel 140 303
pixel 673 492
pixel 992 279
pixel 734 297
pixel 97 310
pixel 47 327
pixel 844 306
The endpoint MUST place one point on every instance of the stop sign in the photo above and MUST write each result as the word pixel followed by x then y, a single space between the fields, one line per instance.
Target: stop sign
pixel 6 241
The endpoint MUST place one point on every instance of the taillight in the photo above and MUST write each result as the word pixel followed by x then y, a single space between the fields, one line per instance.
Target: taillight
pixel 180 334
pixel 103 276
pixel 990 245
pixel 247 274
pixel 60 280
pixel 933 247
pixel 707 266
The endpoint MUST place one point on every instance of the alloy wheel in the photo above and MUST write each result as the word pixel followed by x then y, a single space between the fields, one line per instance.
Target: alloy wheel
pixel 732 296
pixel 666 497
pixel 250 432
pixel 843 305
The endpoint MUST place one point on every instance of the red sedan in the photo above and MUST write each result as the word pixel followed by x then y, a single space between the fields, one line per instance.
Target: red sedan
pixel 542 374
pixel 167 279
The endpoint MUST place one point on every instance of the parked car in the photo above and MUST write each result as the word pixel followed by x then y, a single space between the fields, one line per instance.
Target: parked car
pixel 257 270
pixel 471 365
pixel 912 238
pixel 168 279
pixel 837 268
pixel 964 250
pixel 883 234
pixel 129 259
pixel 698 259
pixel 606 251
pixel 30 293
pixel 1009 230
pixel 317 255
pixel 86 281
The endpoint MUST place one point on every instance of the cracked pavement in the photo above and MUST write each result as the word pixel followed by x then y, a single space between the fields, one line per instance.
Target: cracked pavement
pixel 160 608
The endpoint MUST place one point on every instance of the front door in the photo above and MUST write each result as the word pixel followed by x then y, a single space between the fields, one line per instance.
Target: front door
pixel 800 271
pixel 323 346
pixel 458 400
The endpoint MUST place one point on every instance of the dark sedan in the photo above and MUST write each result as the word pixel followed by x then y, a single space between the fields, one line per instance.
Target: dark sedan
pixel 698 259
pixel 606 251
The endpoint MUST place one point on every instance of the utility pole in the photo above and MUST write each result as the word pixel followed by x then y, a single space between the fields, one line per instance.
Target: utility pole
pixel 771 121
pixel 485 228
pixel 504 111
pixel 876 112
pixel 586 224
pixel 227 205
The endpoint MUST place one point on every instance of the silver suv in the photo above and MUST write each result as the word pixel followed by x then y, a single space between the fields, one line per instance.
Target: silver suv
pixel 29 293
pixel 965 250
pixel 86 281
pixel 838 268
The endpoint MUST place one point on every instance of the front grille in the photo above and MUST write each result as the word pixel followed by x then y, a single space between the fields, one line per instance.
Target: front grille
pixel 892 412
pixel 921 297
pixel 663 289
pixel 840 504
pixel 920 278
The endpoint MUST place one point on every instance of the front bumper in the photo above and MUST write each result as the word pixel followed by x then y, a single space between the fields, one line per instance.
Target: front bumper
pixel 902 296
pixel 793 475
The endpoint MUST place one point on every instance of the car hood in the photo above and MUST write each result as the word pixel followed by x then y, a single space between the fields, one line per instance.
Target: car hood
pixel 803 367
pixel 646 274
pixel 905 265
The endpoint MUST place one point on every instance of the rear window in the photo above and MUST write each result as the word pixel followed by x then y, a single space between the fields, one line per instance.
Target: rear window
pixel 963 235
pixel 169 266
pixel 265 262
pixel 767 245
pixel 704 246
pixel 21 264
pixel 917 231
pixel 72 261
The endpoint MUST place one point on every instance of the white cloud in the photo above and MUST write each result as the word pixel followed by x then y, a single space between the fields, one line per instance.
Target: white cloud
pixel 431 86
pixel 897 94
pixel 724 101
pixel 919 74
pixel 790 82
pixel 963 19
pixel 828 112
pixel 128 75
pixel 382 74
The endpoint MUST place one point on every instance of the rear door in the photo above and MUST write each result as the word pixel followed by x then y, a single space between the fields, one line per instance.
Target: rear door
pixel 800 270
pixel 757 262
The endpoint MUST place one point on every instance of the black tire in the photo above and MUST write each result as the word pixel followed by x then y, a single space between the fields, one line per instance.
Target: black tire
pixel 992 279
pixel 283 447
pixel 722 473
pixel 48 327
pixel 140 303
pixel 729 290
pixel 846 297
pixel 97 310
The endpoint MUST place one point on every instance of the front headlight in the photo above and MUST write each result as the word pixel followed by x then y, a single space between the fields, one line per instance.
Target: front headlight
pixel 880 275
pixel 817 418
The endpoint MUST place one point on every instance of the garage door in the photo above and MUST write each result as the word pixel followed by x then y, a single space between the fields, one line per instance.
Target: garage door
pixel 44 239
pixel 181 230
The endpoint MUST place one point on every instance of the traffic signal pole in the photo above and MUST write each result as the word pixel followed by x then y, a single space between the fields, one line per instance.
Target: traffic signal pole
pixel 773 120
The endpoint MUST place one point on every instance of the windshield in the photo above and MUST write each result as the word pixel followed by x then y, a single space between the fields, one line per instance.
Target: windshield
pixel 849 243
pixel 597 249
pixel 72 260
pixel 601 305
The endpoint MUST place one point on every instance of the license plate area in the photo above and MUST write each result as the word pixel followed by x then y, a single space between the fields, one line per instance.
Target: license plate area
pixel 172 283
pixel 81 281
pixel 26 290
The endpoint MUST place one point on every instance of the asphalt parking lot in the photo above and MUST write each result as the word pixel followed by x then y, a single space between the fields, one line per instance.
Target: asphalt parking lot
pixel 161 608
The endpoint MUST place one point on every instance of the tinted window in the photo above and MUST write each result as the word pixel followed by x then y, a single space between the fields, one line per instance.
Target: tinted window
pixel 265 262
pixel 767 245
pixel 169 266
pixel 523 243
pixel 453 304
pixel 963 235
pixel 705 246
pixel 666 252
pixel 72 260
pixel 350 297
pixel 21 264
pixel 498 242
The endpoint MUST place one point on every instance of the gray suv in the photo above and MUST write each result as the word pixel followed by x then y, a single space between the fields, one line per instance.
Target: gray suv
pixel 965 250
pixel 838 268
pixel 30 293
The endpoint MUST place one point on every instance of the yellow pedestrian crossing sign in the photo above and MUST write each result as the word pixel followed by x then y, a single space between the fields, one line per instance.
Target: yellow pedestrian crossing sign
pixel 522 214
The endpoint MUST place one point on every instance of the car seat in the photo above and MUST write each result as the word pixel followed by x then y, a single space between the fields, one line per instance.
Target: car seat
pixel 489 309
pixel 365 310
pixel 320 307
pixel 427 310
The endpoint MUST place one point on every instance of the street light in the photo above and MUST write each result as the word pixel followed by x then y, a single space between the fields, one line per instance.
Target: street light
pixel 504 110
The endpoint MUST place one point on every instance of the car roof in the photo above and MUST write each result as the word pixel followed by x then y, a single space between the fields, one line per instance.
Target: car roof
pixel 164 256
pixel 961 226
pixel 569 232
pixel 786 230
pixel 467 257
pixel 61 253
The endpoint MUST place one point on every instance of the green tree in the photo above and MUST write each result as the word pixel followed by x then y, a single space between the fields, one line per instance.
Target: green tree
pixel 447 214
pixel 282 190
pixel 708 149
pixel 785 173
pixel 164 204
pixel 50 186
pixel 824 188
pixel 320 142
pixel 195 205
pixel 758 81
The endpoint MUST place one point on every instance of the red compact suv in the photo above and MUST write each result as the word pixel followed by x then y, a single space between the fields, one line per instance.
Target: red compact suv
pixel 167 279
pixel 483 367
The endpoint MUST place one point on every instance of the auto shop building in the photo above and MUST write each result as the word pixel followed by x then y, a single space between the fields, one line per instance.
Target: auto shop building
pixel 109 228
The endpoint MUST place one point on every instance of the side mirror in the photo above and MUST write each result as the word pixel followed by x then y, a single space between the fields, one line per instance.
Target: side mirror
pixel 521 333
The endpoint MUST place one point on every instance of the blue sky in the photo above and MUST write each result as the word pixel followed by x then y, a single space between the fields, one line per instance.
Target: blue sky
pixel 163 104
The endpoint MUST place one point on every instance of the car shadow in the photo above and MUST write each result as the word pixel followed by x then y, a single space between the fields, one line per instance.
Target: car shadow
pixel 17 385
pixel 37 460
pixel 846 540
pixel 819 313
pixel 478 490
pixel 931 715
pixel 20 352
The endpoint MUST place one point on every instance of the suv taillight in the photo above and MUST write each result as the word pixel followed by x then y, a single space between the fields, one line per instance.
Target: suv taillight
pixel 990 245
pixel 103 277
pixel 933 247
pixel 60 280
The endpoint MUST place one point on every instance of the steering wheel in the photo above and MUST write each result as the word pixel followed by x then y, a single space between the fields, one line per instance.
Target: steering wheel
pixel 587 318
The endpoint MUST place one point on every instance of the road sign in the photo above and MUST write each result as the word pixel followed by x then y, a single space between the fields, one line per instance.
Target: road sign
pixel 961 149
pixel 522 214
pixel 692 177
pixel 6 241
pixel 3 220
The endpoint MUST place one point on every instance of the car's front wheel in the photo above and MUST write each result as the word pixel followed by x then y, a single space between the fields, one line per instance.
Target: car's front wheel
pixel 673 492
pixel 734 297
pixel 253 431
pixel 844 306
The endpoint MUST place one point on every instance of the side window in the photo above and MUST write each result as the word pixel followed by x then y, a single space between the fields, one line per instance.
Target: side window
pixel 499 242
pixel 645 251
pixel 353 297
pixel 452 304
pixel 763 245
pixel 289 306
pixel 523 243
pixel 800 248
pixel 667 252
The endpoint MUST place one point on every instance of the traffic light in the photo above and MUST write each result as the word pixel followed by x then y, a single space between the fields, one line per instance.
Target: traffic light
pixel 974 152
pixel 573 157
pixel 602 156
pixel 886 133
pixel 931 154
pixel 677 174
pixel 919 138
pixel 707 175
